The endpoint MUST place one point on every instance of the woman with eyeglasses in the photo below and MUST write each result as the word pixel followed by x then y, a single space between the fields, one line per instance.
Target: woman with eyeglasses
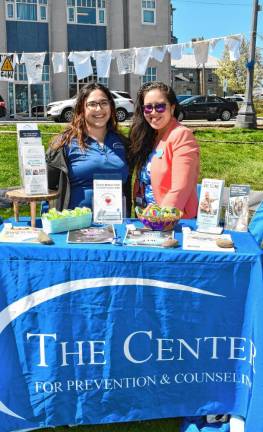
pixel 89 147
pixel 165 153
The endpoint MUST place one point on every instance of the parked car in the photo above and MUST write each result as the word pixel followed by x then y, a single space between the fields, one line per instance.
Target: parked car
pixel 63 110
pixel 238 99
pixel 38 111
pixel 2 107
pixel 181 98
pixel 207 107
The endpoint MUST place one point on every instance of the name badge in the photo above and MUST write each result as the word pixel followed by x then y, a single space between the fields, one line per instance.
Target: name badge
pixel 118 145
pixel 159 153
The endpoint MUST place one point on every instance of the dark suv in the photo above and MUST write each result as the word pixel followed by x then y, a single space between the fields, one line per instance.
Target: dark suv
pixel 207 107
pixel 2 107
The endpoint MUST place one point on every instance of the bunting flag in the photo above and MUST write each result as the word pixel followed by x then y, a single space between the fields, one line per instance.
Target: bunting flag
pixel 131 60
pixel 201 51
pixel 82 63
pixel 233 44
pixel 34 66
pixel 59 62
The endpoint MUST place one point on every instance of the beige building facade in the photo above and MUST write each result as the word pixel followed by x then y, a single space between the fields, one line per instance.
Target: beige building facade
pixel 79 25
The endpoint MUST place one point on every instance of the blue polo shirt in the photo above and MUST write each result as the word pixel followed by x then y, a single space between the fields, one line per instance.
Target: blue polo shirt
pixel 92 161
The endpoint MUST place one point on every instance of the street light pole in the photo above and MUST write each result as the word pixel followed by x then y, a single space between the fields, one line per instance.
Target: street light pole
pixel 246 117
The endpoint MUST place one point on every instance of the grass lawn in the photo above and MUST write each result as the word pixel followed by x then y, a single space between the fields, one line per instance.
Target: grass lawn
pixel 232 154
pixel 235 155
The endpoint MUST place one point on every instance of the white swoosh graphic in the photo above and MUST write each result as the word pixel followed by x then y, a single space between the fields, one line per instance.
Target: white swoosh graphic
pixel 14 310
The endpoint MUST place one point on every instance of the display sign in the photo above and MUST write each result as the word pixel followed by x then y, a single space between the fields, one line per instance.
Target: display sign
pixel 107 201
pixel 210 202
pixel 32 162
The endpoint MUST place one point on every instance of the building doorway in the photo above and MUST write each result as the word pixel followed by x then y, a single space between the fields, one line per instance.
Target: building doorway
pixel 28 101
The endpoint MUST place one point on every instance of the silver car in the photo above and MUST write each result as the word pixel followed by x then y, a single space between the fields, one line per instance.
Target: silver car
pixel 62 111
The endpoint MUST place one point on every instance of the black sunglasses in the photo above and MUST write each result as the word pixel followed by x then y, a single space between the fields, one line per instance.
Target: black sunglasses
pixel 158 107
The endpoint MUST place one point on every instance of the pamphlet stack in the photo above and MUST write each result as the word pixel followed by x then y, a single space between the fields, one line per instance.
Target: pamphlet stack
pixel 238 208
pixel 32 164
pixel 210 203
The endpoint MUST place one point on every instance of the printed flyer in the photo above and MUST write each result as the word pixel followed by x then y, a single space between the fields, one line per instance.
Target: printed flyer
pixel 146 237
pixel 34 169
pixel 238 208
pixel 107 201
pixel 210 202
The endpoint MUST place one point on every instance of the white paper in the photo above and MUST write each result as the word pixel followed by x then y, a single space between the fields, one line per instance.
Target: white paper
pixel 34 66
pixel 25 126
pixel 125 61
pixel 238 208
pixel 103 62
pixel 59 62
pixel 210 201
pixel 34 169
pixel 107 201
pixel 197 241
pixel 82 63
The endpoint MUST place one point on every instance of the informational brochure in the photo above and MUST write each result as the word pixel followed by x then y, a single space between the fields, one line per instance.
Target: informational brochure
pixel 146 237
pixel 15 234
pixel 93 234
pixel 237 213
pixel 34 170
pixel 20 126
pixel 210 203
pixel 31 156
pixel 196 241
pixel 107 201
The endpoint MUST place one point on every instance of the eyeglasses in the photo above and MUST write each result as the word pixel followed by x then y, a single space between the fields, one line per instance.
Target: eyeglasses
pixel 159 108
pixel 92 105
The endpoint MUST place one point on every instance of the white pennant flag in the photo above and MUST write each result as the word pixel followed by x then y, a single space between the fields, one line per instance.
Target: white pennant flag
pixel 158 53
pixel 34 66
pixel 142 57
pixel 82 63
pixel 233 44
pixel 201 52
pixel 125 61
pixel 103 62
pixel 176 51
pixel 59 62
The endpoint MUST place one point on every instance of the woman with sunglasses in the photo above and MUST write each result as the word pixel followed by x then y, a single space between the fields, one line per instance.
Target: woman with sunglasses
pixel 164 153
pixel 90 146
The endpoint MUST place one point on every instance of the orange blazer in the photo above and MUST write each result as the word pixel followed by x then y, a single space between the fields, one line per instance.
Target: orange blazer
pixel 175 169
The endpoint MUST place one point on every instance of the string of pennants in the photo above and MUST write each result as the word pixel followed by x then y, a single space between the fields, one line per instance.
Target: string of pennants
pixel 131 60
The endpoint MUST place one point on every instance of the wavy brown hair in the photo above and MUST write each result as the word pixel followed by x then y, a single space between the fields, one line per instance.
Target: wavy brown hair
pixel 77 128
pixel 142 135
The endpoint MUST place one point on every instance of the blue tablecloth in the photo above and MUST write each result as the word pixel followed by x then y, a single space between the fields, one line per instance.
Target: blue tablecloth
pixel 103 333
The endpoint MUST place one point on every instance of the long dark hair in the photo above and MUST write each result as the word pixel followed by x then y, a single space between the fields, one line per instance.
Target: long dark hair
pixel 77 128
pixel 142 135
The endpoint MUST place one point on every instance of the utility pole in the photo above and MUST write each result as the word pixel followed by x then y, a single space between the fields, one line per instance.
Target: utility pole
pixel 246 117
pixel 126 38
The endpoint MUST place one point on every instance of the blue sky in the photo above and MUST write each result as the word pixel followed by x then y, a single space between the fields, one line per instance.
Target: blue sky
pixel 215 18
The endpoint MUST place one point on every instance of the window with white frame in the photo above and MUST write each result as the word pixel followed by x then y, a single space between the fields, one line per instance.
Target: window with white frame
pixel 26 10
pixel 150 75
pixel 149 12
pixel 92 12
